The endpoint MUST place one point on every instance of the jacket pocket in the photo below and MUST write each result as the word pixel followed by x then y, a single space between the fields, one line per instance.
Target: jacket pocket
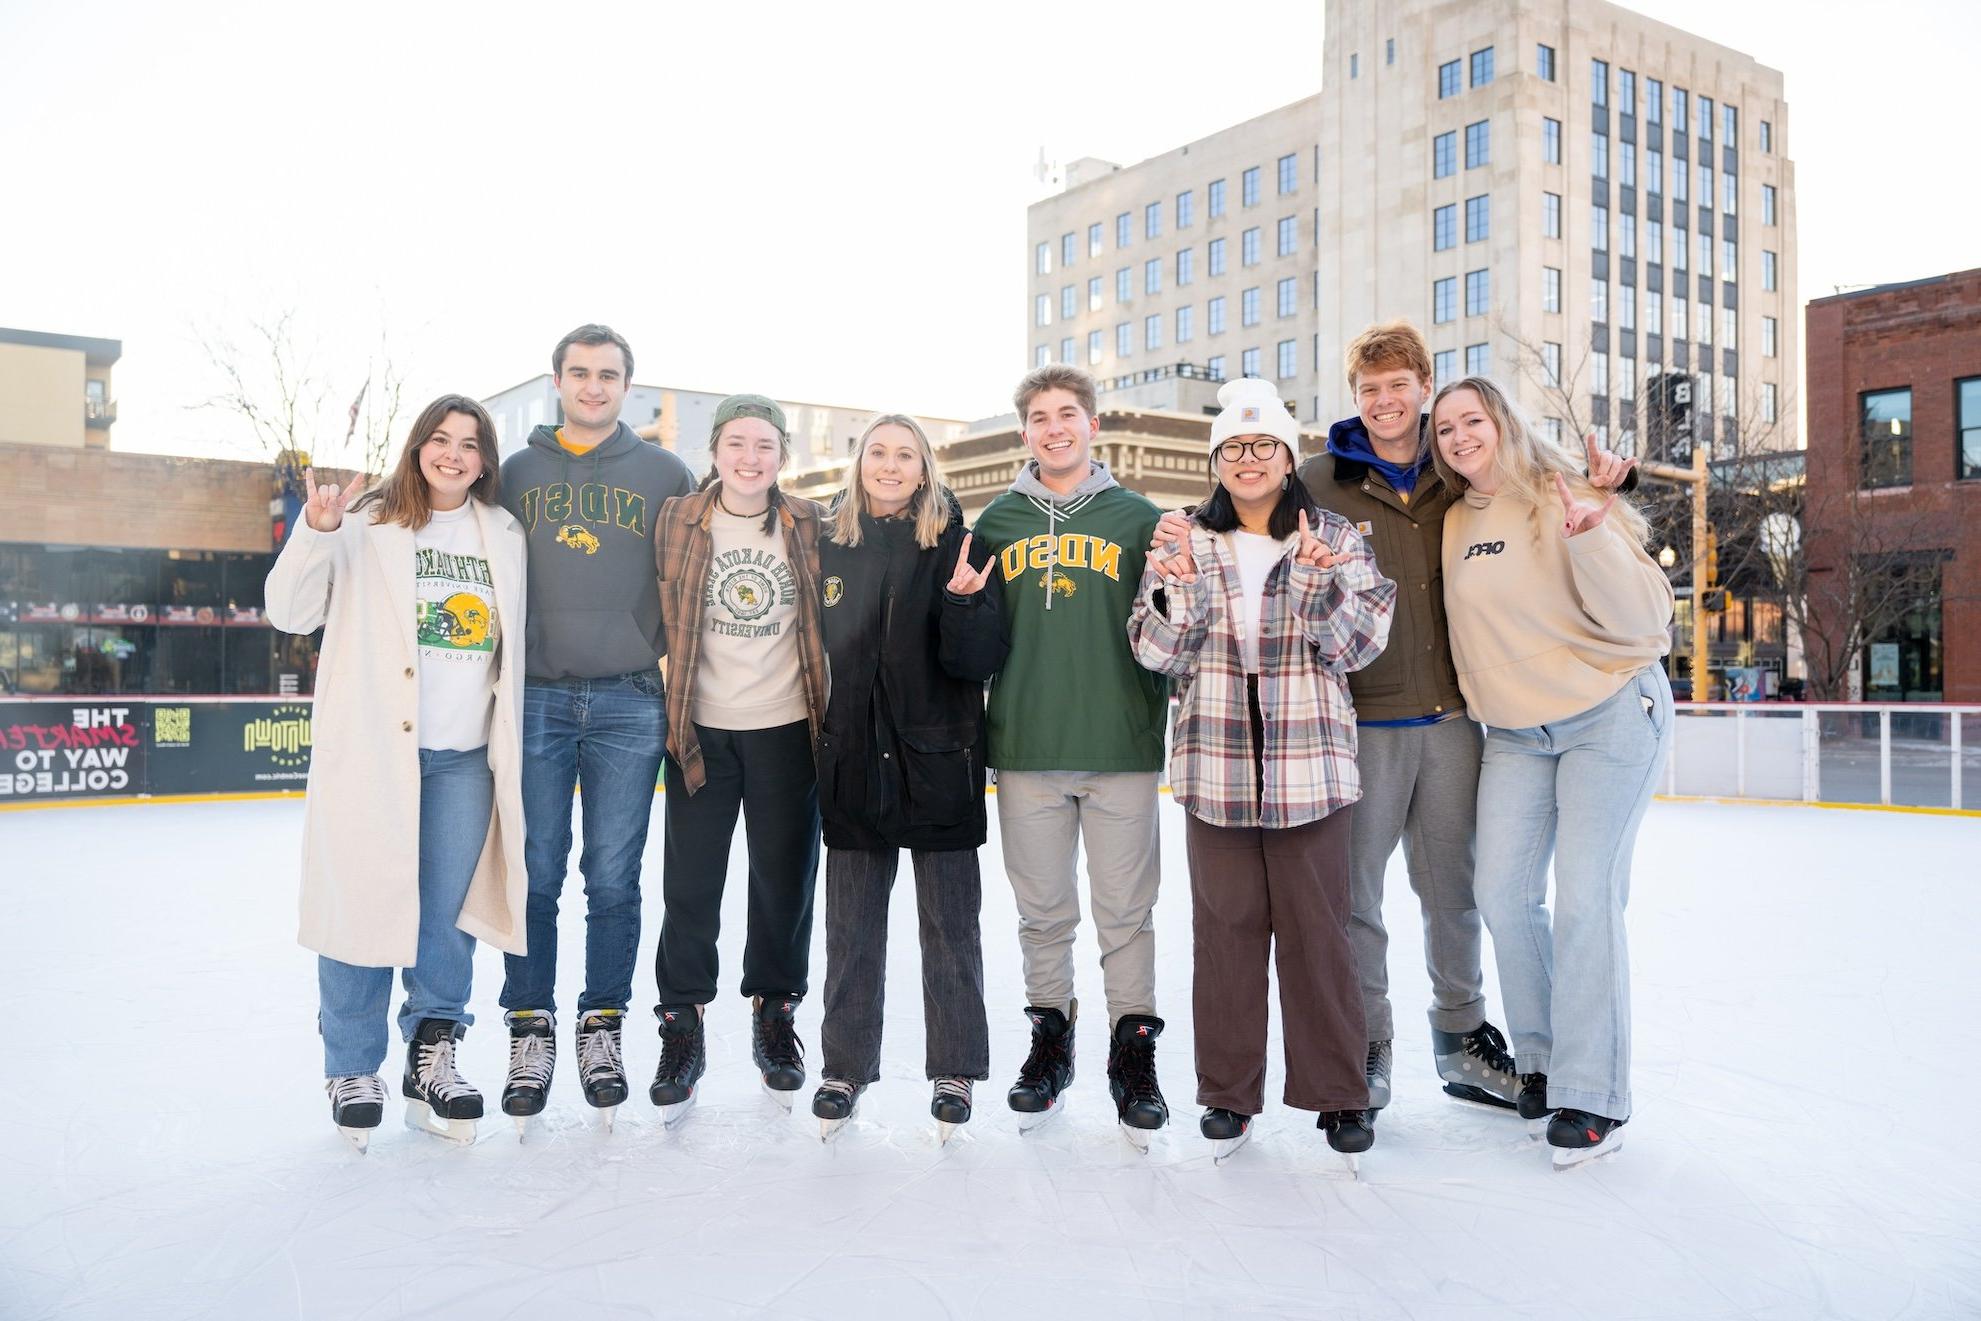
pixel 938 775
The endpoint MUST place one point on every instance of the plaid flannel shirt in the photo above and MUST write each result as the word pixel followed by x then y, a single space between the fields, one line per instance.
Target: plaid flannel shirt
pixel 1316 626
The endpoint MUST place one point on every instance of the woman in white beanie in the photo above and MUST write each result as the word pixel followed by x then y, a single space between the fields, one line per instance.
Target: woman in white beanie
pixel 1285 602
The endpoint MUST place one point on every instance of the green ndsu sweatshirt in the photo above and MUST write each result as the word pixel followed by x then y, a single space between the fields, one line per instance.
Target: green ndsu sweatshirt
pixel 1070 696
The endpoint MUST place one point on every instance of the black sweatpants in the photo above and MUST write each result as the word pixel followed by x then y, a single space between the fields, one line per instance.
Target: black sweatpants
pixel 769 774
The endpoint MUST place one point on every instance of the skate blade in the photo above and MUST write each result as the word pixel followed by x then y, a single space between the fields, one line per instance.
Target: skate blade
pixel 1568 1158
pixel 1223 1149
pixel 1032 1120
pixel 360 1138
pixel 606 1113
pixel 1473 1094
pixel 783 1099
pixel 1537 1129
pixel 672 1115
pixel 1138 1138
pixel 944 1131
pixel 831 1128
pixel 421 1118
pixel 1351 1163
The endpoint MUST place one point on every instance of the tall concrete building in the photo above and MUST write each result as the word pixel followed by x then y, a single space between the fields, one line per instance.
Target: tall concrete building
pixel 55 389
pixel 1580 201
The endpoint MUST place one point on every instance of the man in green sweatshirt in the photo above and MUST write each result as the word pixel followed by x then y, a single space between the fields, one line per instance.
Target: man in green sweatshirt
pixel 1076 734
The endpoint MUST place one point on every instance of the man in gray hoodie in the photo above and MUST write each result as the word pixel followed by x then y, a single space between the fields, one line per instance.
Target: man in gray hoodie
pixel 588 494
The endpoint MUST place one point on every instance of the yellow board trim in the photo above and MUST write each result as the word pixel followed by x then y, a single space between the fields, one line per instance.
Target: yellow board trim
pixel 1839 807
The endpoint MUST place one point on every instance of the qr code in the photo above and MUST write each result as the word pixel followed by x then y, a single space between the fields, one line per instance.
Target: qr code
pixel 172 724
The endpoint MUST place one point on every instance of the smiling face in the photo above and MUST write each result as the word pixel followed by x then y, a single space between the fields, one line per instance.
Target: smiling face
pixel 451 460
pixel 890 470
pixel 1254 477
pixel 1390 400
pixel 1060 433
pixel 747 454
pixel 592 385
pixel 1467 439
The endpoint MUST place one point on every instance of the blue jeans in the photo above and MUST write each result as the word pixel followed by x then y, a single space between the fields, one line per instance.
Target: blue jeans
pixel 606 735
pixel 1576 789
pixel 457 794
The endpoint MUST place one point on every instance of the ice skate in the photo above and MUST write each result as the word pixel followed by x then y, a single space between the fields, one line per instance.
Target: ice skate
pixel 1533 1104
pixel 438 1099
pixel 683 1059
pixel 532 1059
pixel 1579 1137
pixel 601 1061
pixel 775 1046
pixel 357 1103
pixel 1047 1071
pixel 1377 1070
pixel 1131 1078
pixel 835 1103
pixel 1477 1067
pixel 1228 1131
pixel 1350 1133
pixel 951 1107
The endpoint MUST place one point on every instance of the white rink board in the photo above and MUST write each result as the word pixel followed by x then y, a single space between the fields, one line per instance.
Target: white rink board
pixel 1805 1033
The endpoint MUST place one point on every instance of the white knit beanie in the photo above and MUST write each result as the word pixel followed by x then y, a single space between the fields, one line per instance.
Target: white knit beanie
pixel 1252 407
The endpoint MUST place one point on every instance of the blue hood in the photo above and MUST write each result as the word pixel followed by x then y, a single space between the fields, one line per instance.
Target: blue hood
pixel 1349 439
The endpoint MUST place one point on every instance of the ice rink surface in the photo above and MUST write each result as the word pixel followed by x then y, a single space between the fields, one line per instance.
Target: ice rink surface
pixel 1806 1073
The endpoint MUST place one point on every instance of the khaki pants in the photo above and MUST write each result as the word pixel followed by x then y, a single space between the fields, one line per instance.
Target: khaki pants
pixel 1043 817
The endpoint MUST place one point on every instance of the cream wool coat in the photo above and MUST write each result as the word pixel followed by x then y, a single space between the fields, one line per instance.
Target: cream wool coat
pixel 361 822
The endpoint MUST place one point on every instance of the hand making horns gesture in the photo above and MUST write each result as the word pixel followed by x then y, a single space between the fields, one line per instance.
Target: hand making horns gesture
pixel 1606 470
pixel 967 581
pixel 1313 551
pixel 1170 549
pixel 324 511
pixel 1578 516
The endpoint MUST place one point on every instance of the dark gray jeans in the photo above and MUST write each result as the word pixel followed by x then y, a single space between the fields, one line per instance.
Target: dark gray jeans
pixel 948 895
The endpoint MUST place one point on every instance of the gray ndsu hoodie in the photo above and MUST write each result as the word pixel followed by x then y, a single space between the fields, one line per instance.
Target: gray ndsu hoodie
pixel 593 597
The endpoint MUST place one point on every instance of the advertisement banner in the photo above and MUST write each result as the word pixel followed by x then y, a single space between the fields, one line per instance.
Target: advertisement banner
pixel 229 747
pixel 123 748
pixel 79 749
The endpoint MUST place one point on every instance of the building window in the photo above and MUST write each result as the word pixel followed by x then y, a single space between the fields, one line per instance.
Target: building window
pixel 1550 215
pixel 1186 324
pixel 1444 300
pixel 1124 284
pixel 1478 293
pixel 1767 204
pixel 1248 307
pixel 1478 219
pixel 1886 432
pixel 1186 208
pixel 1626 307
pixel 1769 408
pixel 1248 187
pixel 1550 289
pixel 1679 241
pixel 1705 107
pixel 1152 276
pixel 1769 329
pixel 1551 364
pixel 1217 256
pixel 1289 296
pixel 1729 328
pixel 1216 199
pixel 1069 302
pixel 1444 155
pixel 1215 366
pixel 1354 68
pixel 1599 82
pixel 1599 373
pixel 1729 193
pixel 1042 259
pixel 1287 238
pixel 1654 239
pixel 1152 220
pixel 1544 62
pixel 1095 350
pixel 1069 249
pixel 1095 241
pixel 1705 185
pixel 1599 155
pixel 1289 174
pixel 1124 339
pixel 1124 230
pixel 1678 330
pixel 1654 101
pixel 1041 355
pixel 1626 229
pixel 1444 227
pixel 1186 266
pixel 1214 316
pixel 1152 333
pixel 1705 323
pixel 1477 360
pixel 1067 350
pixel 1389 51
pixel 1599 299
pixel 1654 312
pixel 1626 164
pixel 1482 67
pixel 1042 310
pixel 1626 383
pixel 1248 362
pixel 1444 367
pixel 1767 271
pixel 1678 111
pixel 1248 247
pixel 1289 364
pixel 1654 171
pixel 1706 255
pixel 1967 422
pixel 1729 265
pixel 1767 136
pixel 1478 144
pixel 1626 92
pixel 1599 228
pixel 1095 296
pixel 1448 76
pixel 1550 141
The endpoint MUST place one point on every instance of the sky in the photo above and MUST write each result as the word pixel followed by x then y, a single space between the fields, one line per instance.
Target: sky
pixel 821 203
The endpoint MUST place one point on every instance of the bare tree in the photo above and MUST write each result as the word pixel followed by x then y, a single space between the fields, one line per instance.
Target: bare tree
pixel 1555 373
pixel 374 414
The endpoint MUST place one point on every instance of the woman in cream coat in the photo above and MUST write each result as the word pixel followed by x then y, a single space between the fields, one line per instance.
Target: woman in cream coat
pixel 413 830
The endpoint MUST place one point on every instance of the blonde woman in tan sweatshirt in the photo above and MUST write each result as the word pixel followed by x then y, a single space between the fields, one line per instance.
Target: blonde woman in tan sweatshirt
pixel 1559 620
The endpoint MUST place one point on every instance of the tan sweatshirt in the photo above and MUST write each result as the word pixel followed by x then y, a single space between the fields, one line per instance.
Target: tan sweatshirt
pixel 1543 626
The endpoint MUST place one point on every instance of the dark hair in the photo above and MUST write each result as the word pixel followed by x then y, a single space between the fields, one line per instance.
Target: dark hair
pixel 592 336
pixel 1218 514
pixel 402 496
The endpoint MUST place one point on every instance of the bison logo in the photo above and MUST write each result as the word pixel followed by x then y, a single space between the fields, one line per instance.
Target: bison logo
pixel 1058 581
pixel 577 538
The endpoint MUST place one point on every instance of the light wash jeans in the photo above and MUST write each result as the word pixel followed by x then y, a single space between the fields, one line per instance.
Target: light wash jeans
pixel 457 794
pixel 1576 789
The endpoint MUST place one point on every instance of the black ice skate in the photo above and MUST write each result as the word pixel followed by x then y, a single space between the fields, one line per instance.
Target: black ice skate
pixel 532 1058
pixel 357 1103
pixel 1377 1070
pixel 602 1061
pixel 1047 1071
pixel 951 1106
pixel 775 1046
pixel 438 1099
pixel 835 1103
pixel 683 1058
pixel 1228 1131
pixel 1131 1078
pixel 1350 1132
pixel 1533 1103
pixel 1578 1136
pixel 1477 1067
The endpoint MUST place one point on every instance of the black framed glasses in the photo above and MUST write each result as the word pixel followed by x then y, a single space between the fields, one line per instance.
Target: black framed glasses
pixel 1263 449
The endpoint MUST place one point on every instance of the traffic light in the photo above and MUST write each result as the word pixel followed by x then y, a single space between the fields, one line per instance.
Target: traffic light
pixel 1714 599
pixel 1712 565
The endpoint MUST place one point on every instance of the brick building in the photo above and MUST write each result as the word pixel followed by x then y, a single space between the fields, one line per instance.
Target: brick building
pixel 1893 517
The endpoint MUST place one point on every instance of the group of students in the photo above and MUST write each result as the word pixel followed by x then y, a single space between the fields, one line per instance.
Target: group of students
pixel 1335 634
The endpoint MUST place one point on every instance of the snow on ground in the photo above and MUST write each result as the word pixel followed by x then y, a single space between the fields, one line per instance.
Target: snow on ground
pixel 1805 1075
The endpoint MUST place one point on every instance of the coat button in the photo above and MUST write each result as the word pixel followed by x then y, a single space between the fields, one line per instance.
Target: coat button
pixel 409 671
pixel 406 725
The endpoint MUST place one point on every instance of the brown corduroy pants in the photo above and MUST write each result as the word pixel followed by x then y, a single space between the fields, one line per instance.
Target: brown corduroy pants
pixel 1252 890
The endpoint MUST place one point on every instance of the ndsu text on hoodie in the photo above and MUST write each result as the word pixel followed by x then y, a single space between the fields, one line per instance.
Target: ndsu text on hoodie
pixel 594 602
pixel 1070 696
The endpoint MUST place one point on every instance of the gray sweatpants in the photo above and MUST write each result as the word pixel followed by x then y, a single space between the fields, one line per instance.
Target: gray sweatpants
pixel 1043 817
pixel 1420 784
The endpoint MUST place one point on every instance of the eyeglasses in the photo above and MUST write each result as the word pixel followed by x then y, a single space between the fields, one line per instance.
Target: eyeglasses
pixel 1262 449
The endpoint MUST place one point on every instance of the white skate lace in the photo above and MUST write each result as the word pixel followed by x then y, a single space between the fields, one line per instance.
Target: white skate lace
pixel 355 1089
pixel 530 1060
pixel 958 1088
pixel 598 1052
pixel 436 1072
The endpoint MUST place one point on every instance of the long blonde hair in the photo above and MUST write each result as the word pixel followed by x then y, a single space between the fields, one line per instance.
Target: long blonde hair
pixel 928 506
pixel 1527 461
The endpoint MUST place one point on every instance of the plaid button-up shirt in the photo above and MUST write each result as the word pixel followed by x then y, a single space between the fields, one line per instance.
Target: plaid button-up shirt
pixel 1315 627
